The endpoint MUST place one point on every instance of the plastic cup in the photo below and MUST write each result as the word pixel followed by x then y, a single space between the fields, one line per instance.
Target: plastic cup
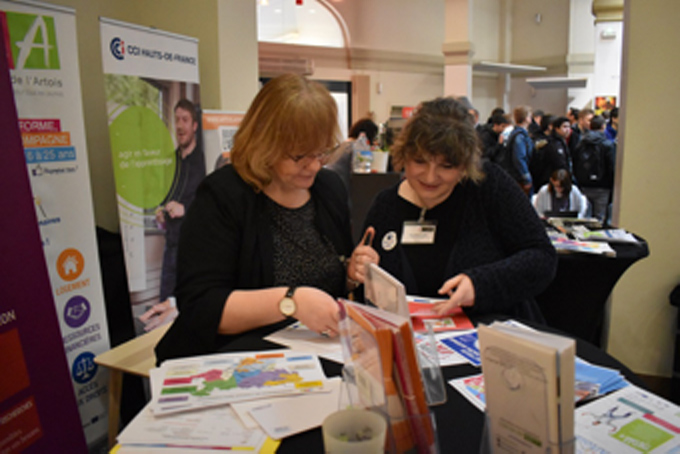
pixel 354 432
pixel 380 160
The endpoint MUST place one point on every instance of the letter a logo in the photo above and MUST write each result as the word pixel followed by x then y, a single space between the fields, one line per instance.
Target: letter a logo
pixel 33 41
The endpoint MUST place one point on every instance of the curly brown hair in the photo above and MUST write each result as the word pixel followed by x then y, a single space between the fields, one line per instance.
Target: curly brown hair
pixel 441 128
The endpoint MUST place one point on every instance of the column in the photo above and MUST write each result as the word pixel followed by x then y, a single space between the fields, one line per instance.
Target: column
pixel 457 48
pixel 581 56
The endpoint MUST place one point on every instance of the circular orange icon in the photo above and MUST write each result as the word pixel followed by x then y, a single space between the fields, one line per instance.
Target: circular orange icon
pixel 70 264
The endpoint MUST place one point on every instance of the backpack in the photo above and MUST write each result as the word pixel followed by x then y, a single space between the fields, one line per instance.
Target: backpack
pixel 589 165
pixel 504 155
pixel 537 163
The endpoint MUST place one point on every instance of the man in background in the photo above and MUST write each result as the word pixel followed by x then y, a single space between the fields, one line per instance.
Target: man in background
pixel 582 126
pixel 594 162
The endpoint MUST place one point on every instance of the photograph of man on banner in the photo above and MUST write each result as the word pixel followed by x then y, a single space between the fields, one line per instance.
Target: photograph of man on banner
pixel 159 162
pixel 189 171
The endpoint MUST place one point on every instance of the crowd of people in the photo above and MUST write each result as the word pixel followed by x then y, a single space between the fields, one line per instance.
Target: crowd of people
pixel 533 147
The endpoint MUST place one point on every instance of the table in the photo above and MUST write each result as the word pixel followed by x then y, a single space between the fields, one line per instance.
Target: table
pixel 459 423
pixel 136 357
pixel 576 299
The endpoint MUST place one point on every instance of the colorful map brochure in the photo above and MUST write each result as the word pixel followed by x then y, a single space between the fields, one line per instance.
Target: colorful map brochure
pixel 219 379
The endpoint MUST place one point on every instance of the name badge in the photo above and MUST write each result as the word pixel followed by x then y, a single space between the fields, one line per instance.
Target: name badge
pixel 418 232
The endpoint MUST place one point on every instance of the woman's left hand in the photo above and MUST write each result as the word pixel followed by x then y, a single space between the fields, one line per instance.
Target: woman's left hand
pixel 461 293
pixel 363 255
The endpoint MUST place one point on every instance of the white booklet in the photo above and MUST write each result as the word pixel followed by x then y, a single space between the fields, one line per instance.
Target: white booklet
pixel 529 386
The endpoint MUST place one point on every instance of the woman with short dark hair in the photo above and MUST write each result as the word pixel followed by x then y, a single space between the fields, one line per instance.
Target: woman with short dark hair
pixel 456 227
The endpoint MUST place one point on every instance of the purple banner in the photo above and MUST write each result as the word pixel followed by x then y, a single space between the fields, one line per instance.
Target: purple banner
pixel 38 411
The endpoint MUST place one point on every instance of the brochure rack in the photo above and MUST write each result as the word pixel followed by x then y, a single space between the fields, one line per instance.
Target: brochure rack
pixel 382 373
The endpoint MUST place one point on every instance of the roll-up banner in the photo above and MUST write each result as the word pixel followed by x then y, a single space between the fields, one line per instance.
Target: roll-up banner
pixel 41 50
pixel 153 102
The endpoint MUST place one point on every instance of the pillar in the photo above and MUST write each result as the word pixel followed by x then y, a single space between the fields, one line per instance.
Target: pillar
pixel 457 48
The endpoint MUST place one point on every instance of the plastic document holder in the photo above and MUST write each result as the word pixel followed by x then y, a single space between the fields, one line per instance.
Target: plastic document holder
pixel 382 373
pixel 387 293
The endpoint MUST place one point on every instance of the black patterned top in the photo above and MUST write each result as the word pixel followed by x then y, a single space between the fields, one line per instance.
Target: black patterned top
pixel 301 255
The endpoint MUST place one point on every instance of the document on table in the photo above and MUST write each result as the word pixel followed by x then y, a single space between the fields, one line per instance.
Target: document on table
pixel 286 416
pixel 211 380
pixel 630 420
pixel 300 338
pixel 217 428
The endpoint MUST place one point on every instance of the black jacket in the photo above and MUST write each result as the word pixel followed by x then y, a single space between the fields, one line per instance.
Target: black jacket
pixel 500 244
pixel 608 154
pixel 226 245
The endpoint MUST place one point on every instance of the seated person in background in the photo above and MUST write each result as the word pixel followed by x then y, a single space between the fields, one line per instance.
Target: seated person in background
pixel 267 236
pixel 458 228
pixel 560 195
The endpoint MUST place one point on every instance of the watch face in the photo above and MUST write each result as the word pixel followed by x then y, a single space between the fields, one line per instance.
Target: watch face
pixel 287 307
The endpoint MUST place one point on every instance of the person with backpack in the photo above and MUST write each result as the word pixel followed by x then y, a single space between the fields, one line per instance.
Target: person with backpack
pixel 594 162
pixel 517 150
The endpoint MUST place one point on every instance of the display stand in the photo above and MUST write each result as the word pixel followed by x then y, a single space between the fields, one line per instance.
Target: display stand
pixel 383 373
pixel 486 446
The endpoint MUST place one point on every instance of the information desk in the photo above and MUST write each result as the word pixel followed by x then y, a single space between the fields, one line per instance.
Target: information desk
pixel 575 302
pixel 459 423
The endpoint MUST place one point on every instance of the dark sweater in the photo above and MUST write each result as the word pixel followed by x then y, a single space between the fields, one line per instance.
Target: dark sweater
pixel 226 244
pixel 500 244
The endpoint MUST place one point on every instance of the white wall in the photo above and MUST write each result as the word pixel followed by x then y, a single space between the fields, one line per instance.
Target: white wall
pixel 642 320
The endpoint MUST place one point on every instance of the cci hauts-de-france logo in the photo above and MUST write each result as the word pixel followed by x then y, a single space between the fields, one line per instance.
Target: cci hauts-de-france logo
pixel 32 40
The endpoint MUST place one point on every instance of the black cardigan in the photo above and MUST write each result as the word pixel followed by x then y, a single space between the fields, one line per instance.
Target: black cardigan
pixel 226 245
pixel 500 244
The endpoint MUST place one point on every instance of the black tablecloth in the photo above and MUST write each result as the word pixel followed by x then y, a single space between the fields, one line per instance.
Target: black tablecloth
pixel 575 301
pixel 459 423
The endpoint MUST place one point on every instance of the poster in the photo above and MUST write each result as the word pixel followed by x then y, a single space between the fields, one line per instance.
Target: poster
pixel 218 136
pixel 153 103
pixel 41 50
pixel 604 103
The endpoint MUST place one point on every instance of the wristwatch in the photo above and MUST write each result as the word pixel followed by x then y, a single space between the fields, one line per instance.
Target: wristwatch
pixel 287 305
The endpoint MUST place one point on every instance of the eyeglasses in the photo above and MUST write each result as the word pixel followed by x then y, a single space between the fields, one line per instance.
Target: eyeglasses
pixel 306 159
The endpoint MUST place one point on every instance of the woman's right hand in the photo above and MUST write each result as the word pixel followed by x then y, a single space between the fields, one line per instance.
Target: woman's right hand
pixel 363 255
pixel 318 310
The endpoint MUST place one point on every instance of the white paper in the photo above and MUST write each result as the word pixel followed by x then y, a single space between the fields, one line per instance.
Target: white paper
pixel 217 427
pixel 630 420
pixel 300 338
pixel 287 416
